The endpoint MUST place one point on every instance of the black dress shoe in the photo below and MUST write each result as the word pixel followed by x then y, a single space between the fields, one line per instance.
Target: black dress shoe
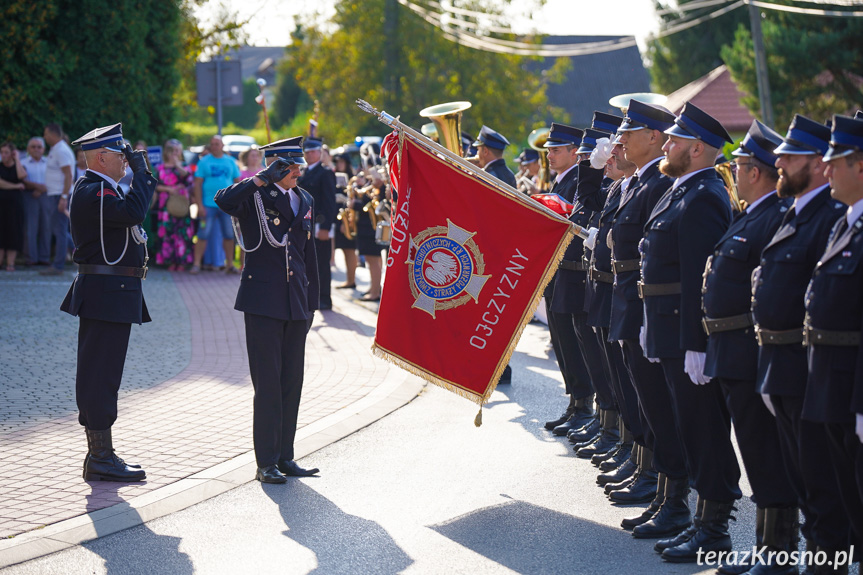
pixel 712 535
pixel 291 469
pixel 609 487
pixel 622 473
pixel 102 464
pixel 582 412
pixel 673 515
pixel 585 433
pixel 270 474
pixel 615 459
pixel 607 440
pixel 549 425
pixel 642 490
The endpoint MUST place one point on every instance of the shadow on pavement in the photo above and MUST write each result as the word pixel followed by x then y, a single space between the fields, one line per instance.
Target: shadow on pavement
pixel 343 543
pixel 523 537
pixel 151 553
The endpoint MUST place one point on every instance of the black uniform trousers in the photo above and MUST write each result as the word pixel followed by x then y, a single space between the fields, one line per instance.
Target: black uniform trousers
pixel 704 425
pixel 758 441
pixel 324 251
pixel 621 385
pixel 276 353
pixel 660 432
pixel 594 358
pixel 805 453
pixel 576 379
pixel 844 451
pixel 102 347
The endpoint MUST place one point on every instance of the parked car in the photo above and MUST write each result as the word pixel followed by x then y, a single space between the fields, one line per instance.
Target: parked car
pixel 234 144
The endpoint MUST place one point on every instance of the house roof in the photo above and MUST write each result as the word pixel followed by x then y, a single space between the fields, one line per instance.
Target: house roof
pixel 594 78
pixel 718 95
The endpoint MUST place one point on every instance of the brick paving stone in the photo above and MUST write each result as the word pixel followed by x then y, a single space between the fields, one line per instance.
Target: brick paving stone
pixel 185 404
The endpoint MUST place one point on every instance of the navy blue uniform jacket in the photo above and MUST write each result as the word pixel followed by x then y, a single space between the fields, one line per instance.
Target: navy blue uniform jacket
pixel 599 308
pixel 103 297
pixel 321 184
pixel 627 230
pixel 273 284
pixel 787 264
pixel 728 290
pixel 834 301
pixel 501 171
pixel 568 294
pixel 678 238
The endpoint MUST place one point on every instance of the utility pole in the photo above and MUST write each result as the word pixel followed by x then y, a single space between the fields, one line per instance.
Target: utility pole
pixel 761 65
pixel 391 53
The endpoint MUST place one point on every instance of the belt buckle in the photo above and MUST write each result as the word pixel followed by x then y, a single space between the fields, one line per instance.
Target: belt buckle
pixel 705 325
pixel 641 290
pixel 807 332
pixel 145 268
pixel 758 335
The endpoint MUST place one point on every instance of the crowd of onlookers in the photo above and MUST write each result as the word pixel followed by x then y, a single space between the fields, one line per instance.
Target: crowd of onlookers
pixel 186 230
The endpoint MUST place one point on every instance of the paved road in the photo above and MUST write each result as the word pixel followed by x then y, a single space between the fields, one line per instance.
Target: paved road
pixel 421 491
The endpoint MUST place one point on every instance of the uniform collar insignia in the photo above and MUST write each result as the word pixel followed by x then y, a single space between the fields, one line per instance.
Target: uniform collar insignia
pixel 274 193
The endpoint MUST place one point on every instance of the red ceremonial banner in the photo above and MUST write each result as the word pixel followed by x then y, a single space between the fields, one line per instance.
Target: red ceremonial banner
pixel 465 271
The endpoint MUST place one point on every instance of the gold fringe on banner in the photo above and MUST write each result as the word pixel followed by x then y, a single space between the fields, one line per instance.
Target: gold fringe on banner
pixel 443 155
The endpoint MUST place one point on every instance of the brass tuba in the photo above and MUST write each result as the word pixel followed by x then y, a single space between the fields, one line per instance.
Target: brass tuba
pixel 447 124
pixel 727 174
pixel 622 101
pixel 536 140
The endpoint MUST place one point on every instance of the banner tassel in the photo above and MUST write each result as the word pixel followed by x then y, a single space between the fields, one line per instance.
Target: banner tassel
pixel 478 419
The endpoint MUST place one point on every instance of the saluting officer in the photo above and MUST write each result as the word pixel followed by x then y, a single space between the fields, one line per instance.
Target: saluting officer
pixel 320 181
pixel 601 278
pixel 572 292
pixel 278 296
pixel 834 318
pixel 678 238
pixel 732 351
pixel 778 289
pixel 111 253
pixel 562 144
pixel 661 466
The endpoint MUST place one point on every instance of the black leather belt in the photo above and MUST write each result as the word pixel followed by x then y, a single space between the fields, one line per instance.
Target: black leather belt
pixel 815 336
pixel 100 270
pixel 716 325
pixel 572 266
pixel 620 266
pixel 782 337
pixel 650 290
pixel 600 276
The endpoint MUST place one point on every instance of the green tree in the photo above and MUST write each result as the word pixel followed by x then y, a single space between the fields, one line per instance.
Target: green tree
pixel 680 58
pixel 202 40
pixel 813 65
pixel 290 99
pixel 367 52
pixel 82 65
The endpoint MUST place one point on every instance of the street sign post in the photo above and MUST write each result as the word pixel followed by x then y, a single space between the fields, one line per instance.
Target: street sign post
pixel 220 83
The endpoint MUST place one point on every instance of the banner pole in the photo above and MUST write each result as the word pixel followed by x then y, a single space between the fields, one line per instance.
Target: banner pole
pixel 460 162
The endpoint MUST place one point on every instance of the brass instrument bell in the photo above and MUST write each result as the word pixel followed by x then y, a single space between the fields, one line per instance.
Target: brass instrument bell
pixel 447 123
pixel 536 140
pixel 622 101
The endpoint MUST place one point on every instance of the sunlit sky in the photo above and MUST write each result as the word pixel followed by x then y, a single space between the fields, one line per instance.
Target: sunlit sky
pixel 273 20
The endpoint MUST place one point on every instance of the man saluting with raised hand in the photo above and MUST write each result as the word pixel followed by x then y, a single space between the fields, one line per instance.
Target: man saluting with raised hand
pixel 278 295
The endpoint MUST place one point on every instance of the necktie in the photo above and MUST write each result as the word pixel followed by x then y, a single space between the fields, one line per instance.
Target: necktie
pixel 632 183
pixel 789 215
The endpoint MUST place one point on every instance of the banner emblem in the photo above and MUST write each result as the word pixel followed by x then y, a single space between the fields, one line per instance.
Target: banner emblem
pixel 446 268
